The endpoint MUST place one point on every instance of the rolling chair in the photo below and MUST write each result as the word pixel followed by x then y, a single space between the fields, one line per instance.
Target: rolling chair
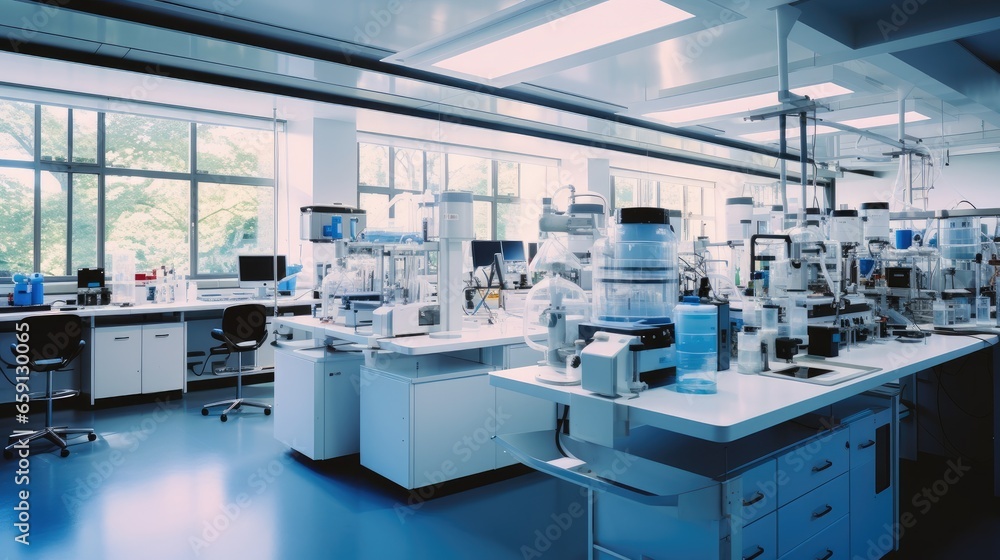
pixel 244 329
pixel 54 341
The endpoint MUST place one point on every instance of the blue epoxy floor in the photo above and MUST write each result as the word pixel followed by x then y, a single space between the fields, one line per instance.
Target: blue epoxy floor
pixel 162 481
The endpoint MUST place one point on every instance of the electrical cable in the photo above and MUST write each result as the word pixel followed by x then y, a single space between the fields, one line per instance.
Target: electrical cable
pixel 953 401
pixel 559 428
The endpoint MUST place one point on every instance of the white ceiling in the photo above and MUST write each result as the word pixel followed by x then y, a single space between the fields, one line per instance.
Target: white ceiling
pixel 944 58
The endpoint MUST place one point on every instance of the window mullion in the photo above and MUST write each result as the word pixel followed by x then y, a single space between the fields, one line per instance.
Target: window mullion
pixel 101 188
pixel 193 212
pixel 37 222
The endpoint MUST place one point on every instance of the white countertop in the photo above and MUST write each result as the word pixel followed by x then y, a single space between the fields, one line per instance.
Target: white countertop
pixel 745 404
pixel 144 308
pixel 418 345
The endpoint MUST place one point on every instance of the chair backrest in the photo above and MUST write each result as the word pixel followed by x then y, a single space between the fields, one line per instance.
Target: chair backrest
pixel 245 323
pixel 52 340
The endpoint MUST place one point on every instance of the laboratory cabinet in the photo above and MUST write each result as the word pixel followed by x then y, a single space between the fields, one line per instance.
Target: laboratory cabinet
pixel 429 419
pixel 788 492
pixel 317 399
pixel 136 359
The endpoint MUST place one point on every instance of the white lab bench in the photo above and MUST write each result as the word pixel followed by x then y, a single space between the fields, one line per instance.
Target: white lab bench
pixel 142 349
pixel 676 473
pixel 428 413
pixel 318 394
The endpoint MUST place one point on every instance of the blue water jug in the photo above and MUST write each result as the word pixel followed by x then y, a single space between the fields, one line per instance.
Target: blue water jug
pixel 22 290
pixel 37 288
pixel 697 334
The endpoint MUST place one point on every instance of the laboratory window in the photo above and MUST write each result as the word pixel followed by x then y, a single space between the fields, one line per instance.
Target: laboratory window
pixel 233 219
pixel 147 143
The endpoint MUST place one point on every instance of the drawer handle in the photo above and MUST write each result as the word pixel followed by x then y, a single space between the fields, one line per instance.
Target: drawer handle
pixel 827 465
pixel 162 335
pixel 866 444
pixel 122 337
pixel 758 552
pixel 827 556
pixel 825 511
pixel 758 496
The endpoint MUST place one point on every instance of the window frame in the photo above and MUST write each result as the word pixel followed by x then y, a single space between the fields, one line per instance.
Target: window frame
pixel 100 169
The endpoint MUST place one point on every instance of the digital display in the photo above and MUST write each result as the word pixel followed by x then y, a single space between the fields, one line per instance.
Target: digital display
pixel 483 251
pixel 90 278
pixel 258 270
pixel 513 251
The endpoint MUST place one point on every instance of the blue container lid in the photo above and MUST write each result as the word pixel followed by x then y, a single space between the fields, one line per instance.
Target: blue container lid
pixel 691 299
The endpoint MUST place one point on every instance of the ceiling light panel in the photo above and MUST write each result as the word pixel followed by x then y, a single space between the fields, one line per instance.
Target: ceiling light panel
pixel 536 38
pixel 743 104
pixel 595 26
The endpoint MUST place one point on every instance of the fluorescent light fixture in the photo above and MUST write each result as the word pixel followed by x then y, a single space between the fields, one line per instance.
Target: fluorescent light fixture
pixel 885 120
pixel 862 123
pixel 744 104
pixel 592 27
pixel 536 38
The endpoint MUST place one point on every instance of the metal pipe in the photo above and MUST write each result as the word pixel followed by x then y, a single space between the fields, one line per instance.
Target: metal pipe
pixel 782 164
pixel 785 16
pixel 804 159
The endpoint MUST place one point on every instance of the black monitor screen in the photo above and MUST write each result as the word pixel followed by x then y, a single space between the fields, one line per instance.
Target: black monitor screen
pixel 90 278
pixel 258 270
pixel 483 251
pixel 513 251
pixel 532 251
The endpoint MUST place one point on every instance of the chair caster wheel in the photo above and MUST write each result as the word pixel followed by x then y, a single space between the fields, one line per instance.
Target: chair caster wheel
pixel 64 452
pixel 8 454
pixel 204 412
pixel 223 418
pixel 91 437
pixel 267 412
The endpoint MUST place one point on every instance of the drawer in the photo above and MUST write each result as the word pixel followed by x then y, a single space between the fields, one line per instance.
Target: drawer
pixel 862 441
pixel 760 538
pixel 810 514
pixel 832 543
pixel 759 491
pixel 811 465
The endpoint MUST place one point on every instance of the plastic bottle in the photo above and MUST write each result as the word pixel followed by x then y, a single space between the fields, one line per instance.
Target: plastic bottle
pixel 697 333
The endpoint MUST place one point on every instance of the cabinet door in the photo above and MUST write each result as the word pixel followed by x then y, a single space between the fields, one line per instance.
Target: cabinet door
pixel 386 440
pixel 117 361
pixel 162 357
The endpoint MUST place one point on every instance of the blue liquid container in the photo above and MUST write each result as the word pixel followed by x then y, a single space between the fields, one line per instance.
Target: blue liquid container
pixel 37 289
pixel 22 293
pixel 697 334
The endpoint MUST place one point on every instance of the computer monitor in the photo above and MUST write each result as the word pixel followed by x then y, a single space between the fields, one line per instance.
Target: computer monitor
pixel 532 251
pixel 257 271
pixel 89 278
pixel 513 251
pixel 483 251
